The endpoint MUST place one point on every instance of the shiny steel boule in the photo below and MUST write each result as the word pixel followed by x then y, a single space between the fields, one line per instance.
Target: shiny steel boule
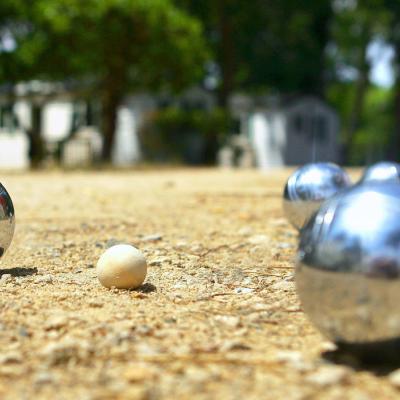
pixel 7 220
pixel 308 187
pixel 382 172
pixel 348 269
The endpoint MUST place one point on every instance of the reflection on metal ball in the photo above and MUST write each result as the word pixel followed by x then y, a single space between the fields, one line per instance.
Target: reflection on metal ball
pixel 382 172
pixel 7 220
pixel 308 187
pixel 348 270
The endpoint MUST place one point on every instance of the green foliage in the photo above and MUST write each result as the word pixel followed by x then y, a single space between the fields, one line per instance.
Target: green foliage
pixel 340 95
pixel 269 45
pixel 355 26
pixel 133 42
pixel 373 137
pixel 375 134
pixel 177 135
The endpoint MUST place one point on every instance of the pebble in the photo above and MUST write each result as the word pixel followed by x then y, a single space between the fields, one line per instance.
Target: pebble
pixel 243 290
pixel 43 378
pixel 112 242
pixel 180 285
pixel 181 245
pixel 96 303
pixel 284 286
pixel 245 231
pixel 284 245
pixel 144 349
pixel 197 248
pixel 22 331
pixel 327 346
pixel 135 374
pixel 294 359
pixel 10 358
pixel 197 375
pixel 56 322
pixel 278 222
pixel 159 261
pixel 228 320
pixel 230 345
pixel 152 238
pixel 44 279
pixel 61 352
pixel 258 239
pixel 6 278
pixel 394 378
pixel 289 357
pixel 328 376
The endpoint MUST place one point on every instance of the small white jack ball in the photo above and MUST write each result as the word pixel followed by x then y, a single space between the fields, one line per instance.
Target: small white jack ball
pixel 122 266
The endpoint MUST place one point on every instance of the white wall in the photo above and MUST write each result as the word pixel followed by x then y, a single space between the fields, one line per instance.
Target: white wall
pixel 14 150
pixel 126 149
pixel 57 118
pixel 131 115
pixel 22 110
pixel 267 137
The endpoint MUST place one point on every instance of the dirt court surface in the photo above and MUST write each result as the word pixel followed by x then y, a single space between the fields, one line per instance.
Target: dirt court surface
pixel 217 318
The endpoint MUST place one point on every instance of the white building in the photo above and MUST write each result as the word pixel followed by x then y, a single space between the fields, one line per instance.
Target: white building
pixel 294 133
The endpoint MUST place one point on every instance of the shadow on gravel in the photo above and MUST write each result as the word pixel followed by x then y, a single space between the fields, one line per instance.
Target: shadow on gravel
pixel 18 271
pixel 146 288
pixel 380 358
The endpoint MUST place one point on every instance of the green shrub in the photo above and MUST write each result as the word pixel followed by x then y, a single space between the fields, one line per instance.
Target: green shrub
pixel 184 136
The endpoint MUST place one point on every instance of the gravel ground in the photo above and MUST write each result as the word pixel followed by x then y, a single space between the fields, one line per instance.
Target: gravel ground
pixel 217 317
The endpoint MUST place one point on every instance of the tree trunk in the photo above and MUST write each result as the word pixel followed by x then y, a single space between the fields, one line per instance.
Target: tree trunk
pixel 358 106
pixel 322 34
pixel 394 148
pixel 393 152
pixel 355 117
pixel 110 102
pixel 227 53
pixel 36 144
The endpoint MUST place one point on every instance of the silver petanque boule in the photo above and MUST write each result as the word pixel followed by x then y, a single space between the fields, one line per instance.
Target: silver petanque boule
pixel 348 269
pixel 382 172
pixel 7 220
pixel 308 187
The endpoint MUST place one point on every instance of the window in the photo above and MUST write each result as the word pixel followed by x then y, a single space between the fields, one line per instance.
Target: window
pixel 8 119
pixel 298 124
pixel 311 125
pixel 320 127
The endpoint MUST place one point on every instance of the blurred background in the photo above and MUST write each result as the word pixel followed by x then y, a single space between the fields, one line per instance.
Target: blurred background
pixel 237 83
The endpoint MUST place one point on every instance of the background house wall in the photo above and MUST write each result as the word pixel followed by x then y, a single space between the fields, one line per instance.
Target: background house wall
pixel 131 116
pixel 13 150
pixel 304 131
pixel 312 130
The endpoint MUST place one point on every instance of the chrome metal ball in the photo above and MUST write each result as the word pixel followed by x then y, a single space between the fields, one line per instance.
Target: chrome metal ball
pixel 7 220
pixel 348 269
pixel 308 187
pixel 382 172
